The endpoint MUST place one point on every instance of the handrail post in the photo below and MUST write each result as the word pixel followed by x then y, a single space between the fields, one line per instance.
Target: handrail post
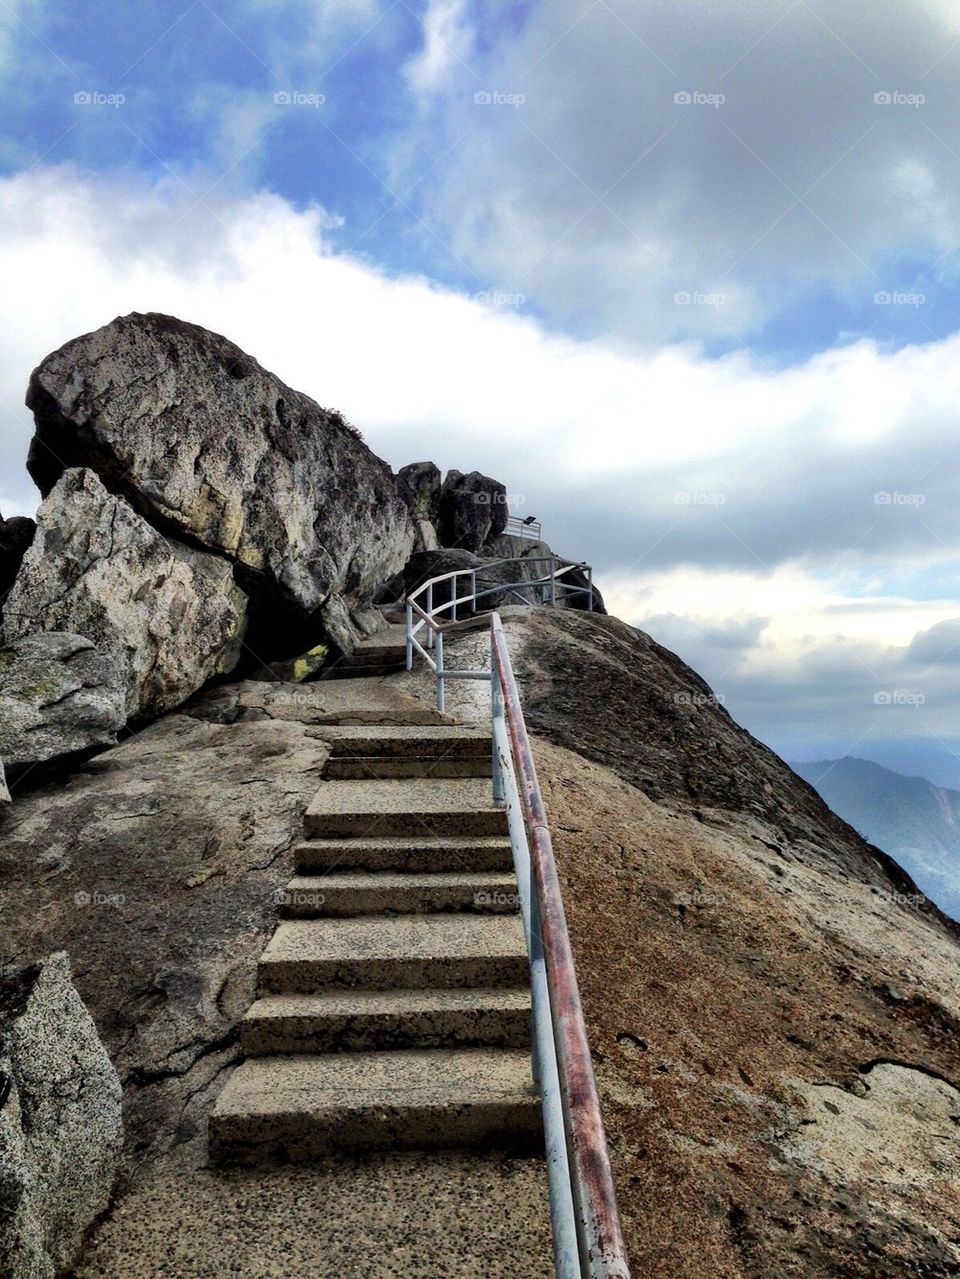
pixel 409 636
pixel 441 696
pixel 496 713
pixel 453 595
pixel 430 614
pixel 553 582
pixel 473 590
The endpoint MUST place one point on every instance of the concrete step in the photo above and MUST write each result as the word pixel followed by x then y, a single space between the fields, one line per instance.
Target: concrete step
pixel 400 752
pixel 414 854
pixel 410 806
pixel 300 1107
pixel 361 767
pixel 358 1020
pixel 408 739
pixel 380 952
pixel 380 892
pixel 372 671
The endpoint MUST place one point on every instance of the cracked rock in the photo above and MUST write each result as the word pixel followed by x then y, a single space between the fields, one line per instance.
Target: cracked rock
pixel 169 617
pixel 59 697
pixel 60 1123
pixel 213 450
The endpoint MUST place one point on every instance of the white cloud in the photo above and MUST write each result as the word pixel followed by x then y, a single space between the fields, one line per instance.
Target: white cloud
pixel 776 562
pixel 447 46
pixel 603 197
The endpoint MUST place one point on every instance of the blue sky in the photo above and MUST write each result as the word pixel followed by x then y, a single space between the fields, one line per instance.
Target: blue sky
pixel 684 276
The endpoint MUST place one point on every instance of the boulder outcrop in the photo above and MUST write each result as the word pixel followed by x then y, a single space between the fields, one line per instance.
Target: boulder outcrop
pixel 16 534
pixel 169 616
pixel 216 452
pixel 473 510
pixel 59 698
pixel 60 1123
pixel 419 484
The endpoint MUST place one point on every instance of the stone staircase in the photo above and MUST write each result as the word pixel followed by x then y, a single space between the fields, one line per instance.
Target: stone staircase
pixel 393 1005
pixel 383 653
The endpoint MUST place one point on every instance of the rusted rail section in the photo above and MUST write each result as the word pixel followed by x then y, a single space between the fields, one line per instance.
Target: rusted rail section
pixel 602 1252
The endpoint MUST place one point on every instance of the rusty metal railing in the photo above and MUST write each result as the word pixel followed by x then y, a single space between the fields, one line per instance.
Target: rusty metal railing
pixel 585 1221
pixel 583 1198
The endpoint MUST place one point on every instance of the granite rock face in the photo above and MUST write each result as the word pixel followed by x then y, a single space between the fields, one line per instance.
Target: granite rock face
pixel 60 1123
pixel 420 484
pixel 16 534
pixel 59 697
pixel 213 450
pixel 473 510
pixel 168 616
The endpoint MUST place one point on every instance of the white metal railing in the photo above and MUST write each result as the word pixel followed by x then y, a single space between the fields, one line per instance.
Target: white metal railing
pixel 529 527
pixel 421 618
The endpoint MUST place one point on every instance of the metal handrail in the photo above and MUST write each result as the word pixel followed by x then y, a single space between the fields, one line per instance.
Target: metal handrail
pixel 585 1221
pixel 518 527
pixel 589 1195
pixel 426 617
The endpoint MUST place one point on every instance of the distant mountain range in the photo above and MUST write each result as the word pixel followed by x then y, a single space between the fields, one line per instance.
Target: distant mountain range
pixel 914 821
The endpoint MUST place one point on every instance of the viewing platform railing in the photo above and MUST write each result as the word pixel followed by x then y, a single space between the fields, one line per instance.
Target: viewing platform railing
pixel 420 615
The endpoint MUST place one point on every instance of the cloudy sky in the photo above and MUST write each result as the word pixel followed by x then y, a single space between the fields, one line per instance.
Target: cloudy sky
pixel 682 275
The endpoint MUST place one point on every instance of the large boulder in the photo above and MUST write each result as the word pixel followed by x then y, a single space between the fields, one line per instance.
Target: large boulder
pixel 212 449
pixel 60 1124
pixel 419 485
pixel 59 697
pixel 16 534
pixel 473 509
pixel 169 616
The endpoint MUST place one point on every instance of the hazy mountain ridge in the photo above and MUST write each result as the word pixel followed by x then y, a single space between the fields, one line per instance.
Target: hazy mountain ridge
pixel 910 818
